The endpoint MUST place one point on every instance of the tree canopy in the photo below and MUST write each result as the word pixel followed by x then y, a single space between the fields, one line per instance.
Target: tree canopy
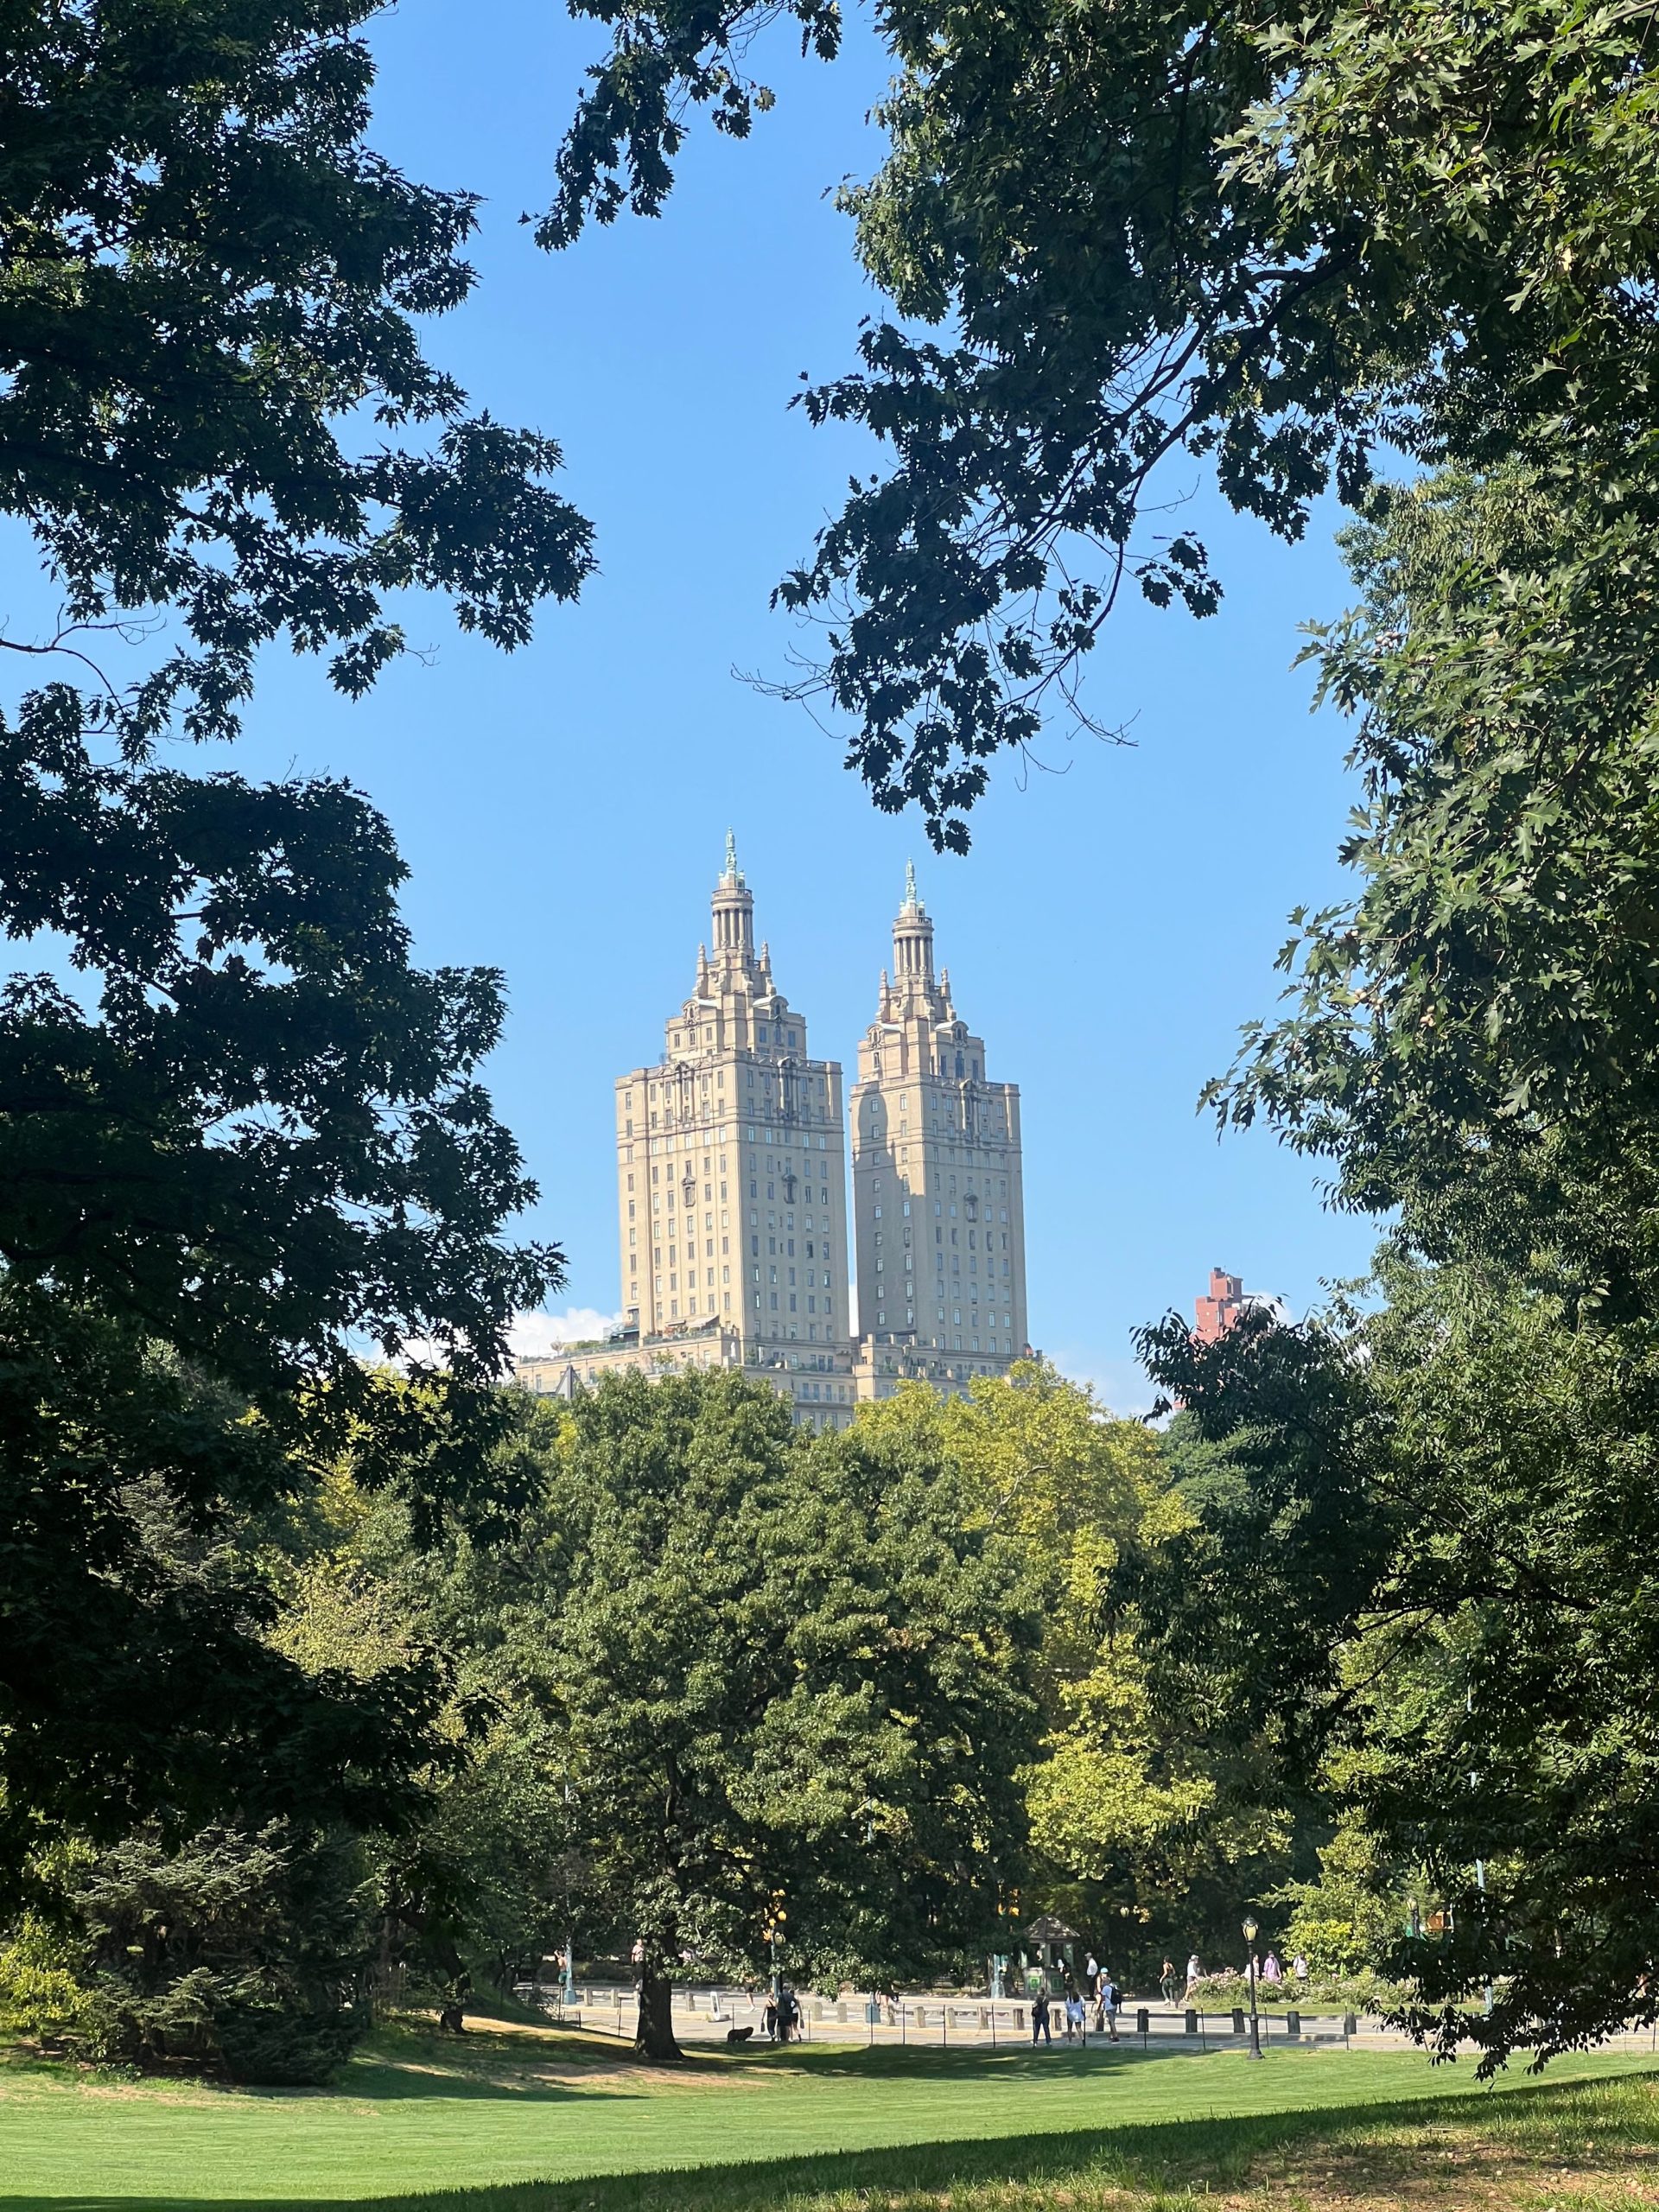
pixel 1418 1566
pixel 208 326
pixel 1277 238
pixel 783 1682
pixel 242 1140
pixel 1139 1831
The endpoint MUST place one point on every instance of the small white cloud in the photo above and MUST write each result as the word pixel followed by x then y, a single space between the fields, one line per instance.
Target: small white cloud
pixel 533 1335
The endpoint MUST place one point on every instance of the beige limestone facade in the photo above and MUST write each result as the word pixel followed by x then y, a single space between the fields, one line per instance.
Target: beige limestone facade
pixel 939 1197
pixel 731 1191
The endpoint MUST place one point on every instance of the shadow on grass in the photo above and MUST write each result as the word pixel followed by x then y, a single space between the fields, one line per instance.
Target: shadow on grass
pixel 410 2061
pixel 1157 2158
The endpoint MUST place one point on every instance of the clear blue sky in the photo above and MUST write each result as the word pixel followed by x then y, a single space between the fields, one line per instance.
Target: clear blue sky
pixel 562 810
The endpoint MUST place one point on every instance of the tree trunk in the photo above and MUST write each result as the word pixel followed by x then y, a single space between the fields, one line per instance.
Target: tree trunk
pixel 653 2037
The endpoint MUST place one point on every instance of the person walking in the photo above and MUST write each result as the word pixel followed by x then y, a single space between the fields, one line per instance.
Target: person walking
pixel 1272 1971
pixel 1111 1999
pixel 1299 1968
pixel 1076 2017
pixel 1194 1972
pixel 1169 1982
pixel 1090 1975
pixel 769 2019
pixel 1039 2029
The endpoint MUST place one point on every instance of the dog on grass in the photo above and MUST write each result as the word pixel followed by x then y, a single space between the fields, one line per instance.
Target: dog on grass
pixel 738 2035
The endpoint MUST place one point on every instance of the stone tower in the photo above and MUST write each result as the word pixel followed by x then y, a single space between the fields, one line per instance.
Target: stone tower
pixel 731 1191
pixel 939 1203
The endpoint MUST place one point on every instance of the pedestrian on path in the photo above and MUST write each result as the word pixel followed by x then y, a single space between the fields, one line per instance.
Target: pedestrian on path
pixel 1194 1972
pixel 1076 2017
pixel 1169 1982
pixel 1111 1998
pixel 1039 2029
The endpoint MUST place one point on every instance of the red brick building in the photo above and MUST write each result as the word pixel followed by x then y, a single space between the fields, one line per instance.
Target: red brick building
pixel 1217 1313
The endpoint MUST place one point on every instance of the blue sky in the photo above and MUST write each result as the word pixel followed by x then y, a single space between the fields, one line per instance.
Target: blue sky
pixel 562 810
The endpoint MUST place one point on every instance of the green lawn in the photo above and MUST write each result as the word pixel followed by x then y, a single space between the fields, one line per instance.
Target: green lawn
pixel 413 2115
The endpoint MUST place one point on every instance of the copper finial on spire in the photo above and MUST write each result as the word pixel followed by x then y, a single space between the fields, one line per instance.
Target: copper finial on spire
pixel 730 873
pixel 910 883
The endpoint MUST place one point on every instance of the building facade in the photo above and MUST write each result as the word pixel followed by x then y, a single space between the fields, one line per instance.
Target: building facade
pixel 1214 1315
pixel 731 1201
pixel 730 1174
pixel 939 1201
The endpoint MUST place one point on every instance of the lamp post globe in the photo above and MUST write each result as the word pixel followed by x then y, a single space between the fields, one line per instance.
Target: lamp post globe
pixel 1254 2051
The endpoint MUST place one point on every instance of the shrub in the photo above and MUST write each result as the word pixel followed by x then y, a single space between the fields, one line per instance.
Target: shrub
pixel 238 1952
pixel 39 1995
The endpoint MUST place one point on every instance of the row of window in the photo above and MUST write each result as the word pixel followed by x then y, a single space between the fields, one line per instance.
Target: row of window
pixel 696 1140
pixel 939 1344
pixel 766 1032
pixel 812 1275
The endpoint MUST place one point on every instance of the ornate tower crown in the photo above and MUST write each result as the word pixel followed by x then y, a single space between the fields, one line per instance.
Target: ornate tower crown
pixel 913 937
pixel 734 912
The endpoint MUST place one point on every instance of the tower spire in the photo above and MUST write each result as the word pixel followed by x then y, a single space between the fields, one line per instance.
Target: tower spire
pixel 913 937
pixel 734 912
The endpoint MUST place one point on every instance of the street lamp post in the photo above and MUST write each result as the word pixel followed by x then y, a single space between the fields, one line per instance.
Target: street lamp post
pixel 1254 2051
pixel 772 1929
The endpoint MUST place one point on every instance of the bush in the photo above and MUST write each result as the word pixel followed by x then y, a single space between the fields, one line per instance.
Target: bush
pixel 1358 1993
pixel 239 1953
pixel 39 1995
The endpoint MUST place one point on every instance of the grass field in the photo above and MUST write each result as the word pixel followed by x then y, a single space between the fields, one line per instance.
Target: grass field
pixel 472 2125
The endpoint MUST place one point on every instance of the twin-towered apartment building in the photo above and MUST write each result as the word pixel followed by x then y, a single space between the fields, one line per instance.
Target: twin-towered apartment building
pixel 731 1201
